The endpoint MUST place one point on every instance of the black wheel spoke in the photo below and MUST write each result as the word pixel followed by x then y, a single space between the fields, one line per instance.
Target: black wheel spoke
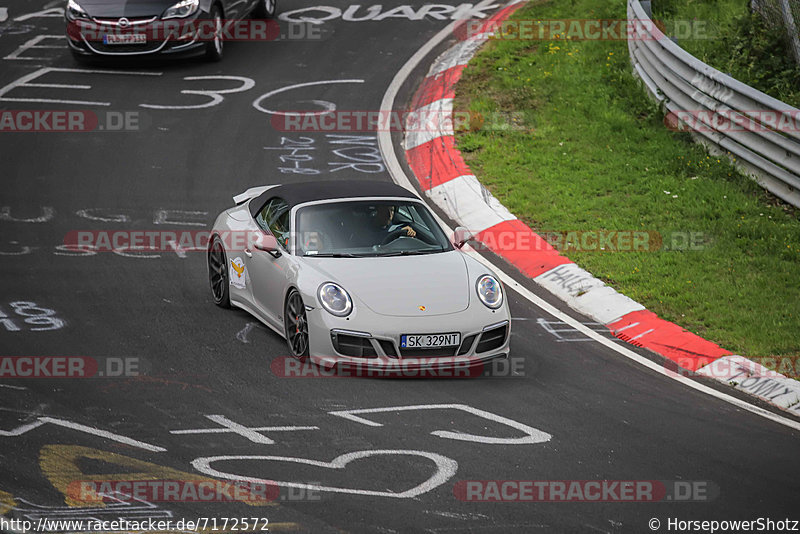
pixel 216 259
pixel 217 273
pixel 296 325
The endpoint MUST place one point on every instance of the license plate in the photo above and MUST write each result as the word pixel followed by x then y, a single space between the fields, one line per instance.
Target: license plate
pixel 429 341
pixel 123 39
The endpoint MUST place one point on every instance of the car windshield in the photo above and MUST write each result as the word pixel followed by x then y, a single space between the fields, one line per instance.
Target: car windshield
pixel 368 228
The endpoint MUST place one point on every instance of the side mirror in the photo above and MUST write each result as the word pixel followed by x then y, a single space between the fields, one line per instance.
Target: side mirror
pixel 267 243
pixel 461 236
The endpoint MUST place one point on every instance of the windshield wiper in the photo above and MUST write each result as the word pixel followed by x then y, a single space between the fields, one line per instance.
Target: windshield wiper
pixel 412 252
pixel 331 255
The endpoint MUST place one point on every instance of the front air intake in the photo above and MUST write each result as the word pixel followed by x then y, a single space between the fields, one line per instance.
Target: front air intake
pixel 355 346
pixel 492 339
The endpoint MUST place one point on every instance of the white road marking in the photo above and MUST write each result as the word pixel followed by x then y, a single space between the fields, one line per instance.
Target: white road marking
pixel 24 249
pixel 433 11
pixel 137 252
pixel 396 171
pixel 23 81
pixel 544 323
pixel 642 334
pixel 171 217
pixel 3 14
pixel 87 214
pixel 548 326
pixel 51 12
pixel 20 430
pixel 241 335
pixel 47 214
pixel 9 386
pixel 32 314
pixel 180 252
pixel 252 434
pixel 72 250
pixel 329 106
pixel 215 96
pixel 58 86
pixel 445 470
pixel 532 435
pixel 456 515
pixel 626 327
pixel 33 44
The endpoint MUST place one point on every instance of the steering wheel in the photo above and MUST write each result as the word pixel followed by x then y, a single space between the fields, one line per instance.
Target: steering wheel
pixel 394 234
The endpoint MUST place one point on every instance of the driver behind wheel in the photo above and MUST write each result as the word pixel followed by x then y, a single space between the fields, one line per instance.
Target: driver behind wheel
pixel 384 215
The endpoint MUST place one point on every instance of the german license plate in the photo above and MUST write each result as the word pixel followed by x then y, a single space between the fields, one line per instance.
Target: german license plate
pixel 429 341
pixel 124 38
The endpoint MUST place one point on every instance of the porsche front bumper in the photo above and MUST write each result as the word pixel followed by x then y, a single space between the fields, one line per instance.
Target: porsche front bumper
pixel 372 342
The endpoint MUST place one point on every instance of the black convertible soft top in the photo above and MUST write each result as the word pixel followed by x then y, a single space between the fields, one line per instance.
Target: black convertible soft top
pixel 300 192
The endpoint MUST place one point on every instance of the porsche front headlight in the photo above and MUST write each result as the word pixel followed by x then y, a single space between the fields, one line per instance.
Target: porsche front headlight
pixel 182 9
pixel 74 11
pixel 335 299
pixel 490 291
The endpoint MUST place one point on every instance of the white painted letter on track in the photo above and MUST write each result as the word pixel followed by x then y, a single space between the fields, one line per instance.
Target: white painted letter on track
pixel 531 436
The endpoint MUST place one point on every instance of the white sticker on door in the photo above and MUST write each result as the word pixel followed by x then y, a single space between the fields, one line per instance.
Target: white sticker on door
pixel 238 274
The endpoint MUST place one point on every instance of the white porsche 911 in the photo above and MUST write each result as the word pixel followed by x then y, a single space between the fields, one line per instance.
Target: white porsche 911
pixel 357 272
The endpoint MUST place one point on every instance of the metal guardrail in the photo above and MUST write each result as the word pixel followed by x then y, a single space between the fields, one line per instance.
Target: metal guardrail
pixel 724 112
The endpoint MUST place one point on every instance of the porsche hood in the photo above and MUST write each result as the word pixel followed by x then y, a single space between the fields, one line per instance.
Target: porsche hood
pixel 404 286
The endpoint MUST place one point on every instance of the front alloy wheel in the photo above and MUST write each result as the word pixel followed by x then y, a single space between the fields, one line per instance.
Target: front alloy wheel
pixel 218 274
pixel 296 325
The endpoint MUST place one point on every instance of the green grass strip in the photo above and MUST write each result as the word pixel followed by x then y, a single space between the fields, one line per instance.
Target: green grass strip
pixel 728 36
pixel 581 147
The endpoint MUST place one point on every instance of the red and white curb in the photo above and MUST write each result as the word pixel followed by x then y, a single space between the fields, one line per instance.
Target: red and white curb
pixel 448 182
pixel 753 378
